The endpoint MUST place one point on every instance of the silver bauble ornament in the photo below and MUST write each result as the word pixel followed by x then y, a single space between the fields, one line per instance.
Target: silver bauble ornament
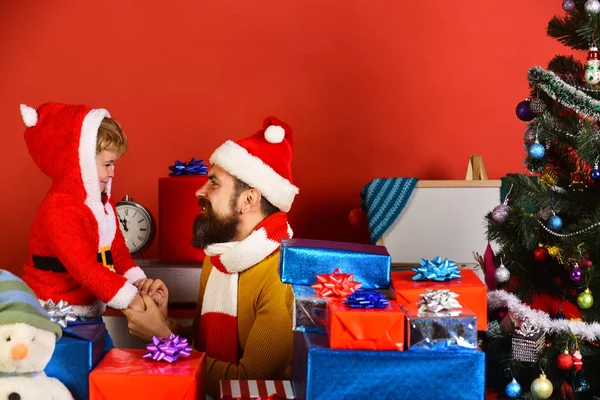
pixel 529 136
pixel 537 106
pixel 592 7
pixel 545 213
pixel 569 5
pixel 502 274
pixel 500 213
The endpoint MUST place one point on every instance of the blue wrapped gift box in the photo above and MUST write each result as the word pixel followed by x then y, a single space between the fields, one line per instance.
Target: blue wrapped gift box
pixel 301 260
pixel 319 372
pixel 79 350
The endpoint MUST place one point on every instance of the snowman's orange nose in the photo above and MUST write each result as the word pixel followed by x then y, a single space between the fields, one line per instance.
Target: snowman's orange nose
pixel 19 351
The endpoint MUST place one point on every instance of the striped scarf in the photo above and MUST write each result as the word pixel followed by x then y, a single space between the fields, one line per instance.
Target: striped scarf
pixel 218 336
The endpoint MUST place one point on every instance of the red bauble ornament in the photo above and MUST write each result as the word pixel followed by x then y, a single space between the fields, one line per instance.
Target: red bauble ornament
pixel 585 261
pixel 564 361
pixel 541 254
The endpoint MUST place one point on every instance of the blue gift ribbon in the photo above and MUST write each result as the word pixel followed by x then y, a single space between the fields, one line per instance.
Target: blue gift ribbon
pixel 366 299
pixel 190 168
pixel 436 270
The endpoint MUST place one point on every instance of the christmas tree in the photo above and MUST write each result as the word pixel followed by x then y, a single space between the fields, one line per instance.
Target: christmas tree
pixel 543 339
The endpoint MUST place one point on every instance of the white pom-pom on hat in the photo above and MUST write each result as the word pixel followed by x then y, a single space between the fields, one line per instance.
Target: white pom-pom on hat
pixel 29 115
pixel 274 134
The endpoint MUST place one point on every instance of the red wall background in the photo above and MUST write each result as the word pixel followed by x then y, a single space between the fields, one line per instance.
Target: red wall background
pixel 372 89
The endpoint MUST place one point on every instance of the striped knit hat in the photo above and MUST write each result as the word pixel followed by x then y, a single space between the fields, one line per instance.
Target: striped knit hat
pixel 18 304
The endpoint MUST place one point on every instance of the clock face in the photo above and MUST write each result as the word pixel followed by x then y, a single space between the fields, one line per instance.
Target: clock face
pixel 136 225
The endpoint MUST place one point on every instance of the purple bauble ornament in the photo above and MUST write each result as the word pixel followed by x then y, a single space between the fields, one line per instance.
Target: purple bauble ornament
pixel 500 213
pixel 529 137
pixel 524 111
pixel 568 5
pixel 576 274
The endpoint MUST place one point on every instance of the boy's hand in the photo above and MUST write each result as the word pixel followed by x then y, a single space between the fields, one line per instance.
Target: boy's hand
pixel 157 290
pixel 148 323
pixel 137 303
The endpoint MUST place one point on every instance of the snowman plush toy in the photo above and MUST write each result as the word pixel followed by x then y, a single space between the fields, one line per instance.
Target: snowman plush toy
pixel 27 341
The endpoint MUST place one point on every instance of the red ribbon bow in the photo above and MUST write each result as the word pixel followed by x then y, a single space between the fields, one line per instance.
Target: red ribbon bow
pixel 336 284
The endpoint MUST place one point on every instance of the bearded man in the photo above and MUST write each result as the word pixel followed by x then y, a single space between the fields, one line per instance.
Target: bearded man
pixel 244 316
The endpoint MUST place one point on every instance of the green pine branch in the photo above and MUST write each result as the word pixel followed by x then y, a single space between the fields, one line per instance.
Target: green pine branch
pixel 576 30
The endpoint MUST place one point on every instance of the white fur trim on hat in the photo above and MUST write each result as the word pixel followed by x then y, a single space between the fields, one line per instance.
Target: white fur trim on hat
pixel 104 215
pixel 236 160
pixel 29 115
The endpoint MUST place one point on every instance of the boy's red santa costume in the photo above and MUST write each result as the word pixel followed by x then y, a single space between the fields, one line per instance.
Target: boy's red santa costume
pixel 77 252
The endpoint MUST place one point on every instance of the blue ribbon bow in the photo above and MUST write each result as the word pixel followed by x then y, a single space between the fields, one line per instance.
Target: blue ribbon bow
pixel 366 299
pixel 191 168
pixel 436 270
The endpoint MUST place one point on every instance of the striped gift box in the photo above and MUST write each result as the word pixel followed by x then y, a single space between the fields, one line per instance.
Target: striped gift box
pixel 249 390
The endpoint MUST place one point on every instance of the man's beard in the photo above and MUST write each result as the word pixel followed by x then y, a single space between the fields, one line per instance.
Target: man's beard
pixel 210 228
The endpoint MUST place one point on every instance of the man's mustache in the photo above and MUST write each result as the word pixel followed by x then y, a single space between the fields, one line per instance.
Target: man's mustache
pixel 204 203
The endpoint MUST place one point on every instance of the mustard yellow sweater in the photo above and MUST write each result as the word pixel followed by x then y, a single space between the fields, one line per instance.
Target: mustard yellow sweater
pixel 264 326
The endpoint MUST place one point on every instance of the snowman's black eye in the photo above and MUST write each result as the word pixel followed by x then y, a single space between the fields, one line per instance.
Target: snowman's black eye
pixel 8 338
pixel 33 339
pixel 14 396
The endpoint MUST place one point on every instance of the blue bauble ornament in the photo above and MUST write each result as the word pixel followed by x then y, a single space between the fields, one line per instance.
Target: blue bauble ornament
pixel 595 174
pixel 524 111
pixel 513 389
pixel 554 223
pixel 537 151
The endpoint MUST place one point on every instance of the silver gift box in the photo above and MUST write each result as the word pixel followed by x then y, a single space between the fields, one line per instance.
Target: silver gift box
pixel 309 310
pixel 528 348
pixel 442 330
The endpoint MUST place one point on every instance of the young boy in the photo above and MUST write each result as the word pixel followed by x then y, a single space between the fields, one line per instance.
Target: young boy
pixel 77 251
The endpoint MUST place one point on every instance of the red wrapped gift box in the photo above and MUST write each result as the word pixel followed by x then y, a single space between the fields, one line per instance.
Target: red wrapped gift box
pixel 365 329
pixel 471 290
pixel 124 374
pixel 177 209
pixel 250 390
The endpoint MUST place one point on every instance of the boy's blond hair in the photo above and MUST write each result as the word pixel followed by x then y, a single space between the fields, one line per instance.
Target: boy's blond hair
pixel 111 137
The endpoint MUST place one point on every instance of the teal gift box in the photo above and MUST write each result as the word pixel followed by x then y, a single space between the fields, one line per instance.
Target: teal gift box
pixel 319 372
pixel 79 350
pixel 301 260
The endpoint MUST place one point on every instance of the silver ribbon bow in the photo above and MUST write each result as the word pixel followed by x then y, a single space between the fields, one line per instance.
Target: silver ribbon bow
pixel 438 301
pixel 527 330
pixel 61 312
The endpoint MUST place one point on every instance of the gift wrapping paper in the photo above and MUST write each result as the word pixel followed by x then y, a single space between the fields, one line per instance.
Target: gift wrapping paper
pixel 322 373
pixel 310 311
pixel 301 260
pixel 427 330
pixel 80 349
pixel 471 290
pixel 177 209
pixel 124 374
pixel 366 329
pixel 251 390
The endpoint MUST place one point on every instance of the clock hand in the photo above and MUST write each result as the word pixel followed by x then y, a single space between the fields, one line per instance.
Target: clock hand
pixel 124 222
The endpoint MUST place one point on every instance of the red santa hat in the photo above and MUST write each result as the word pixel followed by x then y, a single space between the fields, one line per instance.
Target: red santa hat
pixel 263 161
pixel 61 139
